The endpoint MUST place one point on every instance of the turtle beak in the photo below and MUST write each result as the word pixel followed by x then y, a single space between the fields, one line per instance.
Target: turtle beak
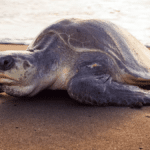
pixel 6 63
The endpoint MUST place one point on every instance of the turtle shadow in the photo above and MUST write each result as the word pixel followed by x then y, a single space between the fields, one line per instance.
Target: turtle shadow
pixel 57 109
pixel 55 116
pixel 58 97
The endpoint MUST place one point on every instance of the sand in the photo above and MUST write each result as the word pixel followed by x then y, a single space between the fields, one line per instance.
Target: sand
pixel 53 121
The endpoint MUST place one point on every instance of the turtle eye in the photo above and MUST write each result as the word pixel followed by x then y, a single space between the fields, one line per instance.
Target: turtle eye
pixel 31 50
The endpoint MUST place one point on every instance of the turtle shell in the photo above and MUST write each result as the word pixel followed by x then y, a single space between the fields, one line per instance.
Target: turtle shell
pixel 131 57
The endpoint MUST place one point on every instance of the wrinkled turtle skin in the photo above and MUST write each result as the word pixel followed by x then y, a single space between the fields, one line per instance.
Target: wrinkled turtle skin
pixel 97 62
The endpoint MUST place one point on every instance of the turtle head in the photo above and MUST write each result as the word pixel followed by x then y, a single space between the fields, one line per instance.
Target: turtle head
pixel 19 73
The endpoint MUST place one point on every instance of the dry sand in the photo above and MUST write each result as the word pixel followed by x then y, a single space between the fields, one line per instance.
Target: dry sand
pixel 53 121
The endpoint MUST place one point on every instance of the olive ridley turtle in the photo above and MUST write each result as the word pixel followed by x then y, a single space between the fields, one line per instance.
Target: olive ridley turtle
pixel 97 62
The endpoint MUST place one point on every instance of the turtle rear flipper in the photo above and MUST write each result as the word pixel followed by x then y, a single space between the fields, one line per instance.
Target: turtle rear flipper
pixel 102 90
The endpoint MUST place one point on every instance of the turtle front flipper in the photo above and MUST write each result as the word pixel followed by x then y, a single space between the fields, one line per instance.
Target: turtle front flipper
pixel 102 90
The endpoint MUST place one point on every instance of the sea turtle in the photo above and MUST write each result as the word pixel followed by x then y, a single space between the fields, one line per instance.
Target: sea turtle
pixel 97 62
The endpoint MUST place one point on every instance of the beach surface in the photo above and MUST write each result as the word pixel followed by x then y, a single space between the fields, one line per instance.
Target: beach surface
pixel 53 121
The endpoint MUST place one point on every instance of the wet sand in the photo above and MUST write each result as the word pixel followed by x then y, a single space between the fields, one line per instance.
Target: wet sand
pixel 53 121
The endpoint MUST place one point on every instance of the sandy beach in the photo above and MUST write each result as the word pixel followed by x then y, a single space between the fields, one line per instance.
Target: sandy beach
pixel 53 121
